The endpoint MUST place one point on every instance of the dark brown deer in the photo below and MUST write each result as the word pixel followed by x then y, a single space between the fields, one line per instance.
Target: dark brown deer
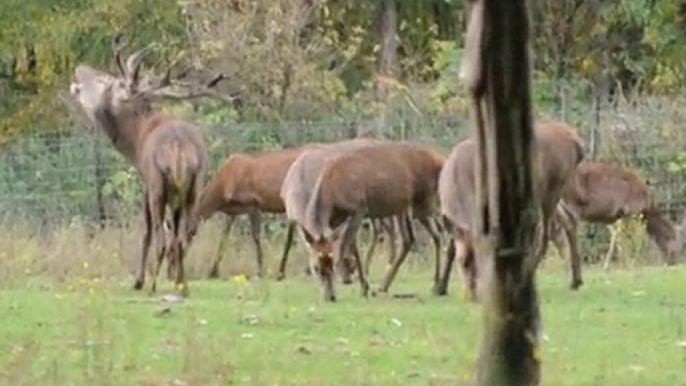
pixel 168 153
pixel 558 154
pixel 602 193
pixel 384 180
pixel 249 184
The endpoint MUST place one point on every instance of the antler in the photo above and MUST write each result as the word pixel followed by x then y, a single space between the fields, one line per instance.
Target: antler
pixel 131 69
pixel 118 45
pixel 134 61
pixel 169 88
pixel 166 87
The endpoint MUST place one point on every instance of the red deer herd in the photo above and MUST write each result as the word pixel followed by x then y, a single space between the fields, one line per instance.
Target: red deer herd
pixel 326 190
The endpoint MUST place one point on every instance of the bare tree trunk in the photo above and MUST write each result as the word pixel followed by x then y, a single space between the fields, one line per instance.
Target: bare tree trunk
pixel 388 56
pixel 389 46
pixel 497 72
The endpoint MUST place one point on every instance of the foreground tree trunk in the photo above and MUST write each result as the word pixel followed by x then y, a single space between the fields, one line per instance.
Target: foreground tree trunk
pixel 497 73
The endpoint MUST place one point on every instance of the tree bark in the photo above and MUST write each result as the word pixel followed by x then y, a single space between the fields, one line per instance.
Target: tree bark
pixel 389 46
pixel 497 72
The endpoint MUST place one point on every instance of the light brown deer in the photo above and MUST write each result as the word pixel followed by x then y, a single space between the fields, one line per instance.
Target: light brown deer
pixel 384 180
pixel 168 153
pixel 249 184
pixel 603 193
pixel 298 186
pixel 559 151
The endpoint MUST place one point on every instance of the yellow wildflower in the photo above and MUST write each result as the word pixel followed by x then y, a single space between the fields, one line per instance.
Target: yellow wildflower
pixel 240 279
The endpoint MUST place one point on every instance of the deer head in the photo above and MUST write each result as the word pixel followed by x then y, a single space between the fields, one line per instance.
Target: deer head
pixel 102 93
pixel 116 102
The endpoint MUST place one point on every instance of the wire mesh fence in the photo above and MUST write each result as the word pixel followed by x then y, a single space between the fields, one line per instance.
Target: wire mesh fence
pixel 52 179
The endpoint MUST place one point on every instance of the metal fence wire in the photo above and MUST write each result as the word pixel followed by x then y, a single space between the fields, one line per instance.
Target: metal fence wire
pixel 52 179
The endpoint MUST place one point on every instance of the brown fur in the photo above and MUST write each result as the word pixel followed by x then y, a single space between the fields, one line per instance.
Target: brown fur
pixel 299 183
pixel 603 193
pixel 384 180
pixel 168 153
pixel 559 150
pixel 249 184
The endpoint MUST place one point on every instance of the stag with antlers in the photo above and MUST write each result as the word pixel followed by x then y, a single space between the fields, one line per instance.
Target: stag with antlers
pixel 167 152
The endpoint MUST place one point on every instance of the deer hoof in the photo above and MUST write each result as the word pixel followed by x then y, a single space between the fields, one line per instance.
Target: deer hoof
pixel 330 298
pixel 280 276
pixel 214 273
pixel 138 284
pixel 182 289
pixel 576 284
pixel 438 290
pixel 153 290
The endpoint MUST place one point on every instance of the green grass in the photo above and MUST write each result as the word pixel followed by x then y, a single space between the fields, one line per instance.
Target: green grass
pixel 623 328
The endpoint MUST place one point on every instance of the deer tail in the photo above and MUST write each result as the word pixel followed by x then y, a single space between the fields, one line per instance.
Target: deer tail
pixel 178 165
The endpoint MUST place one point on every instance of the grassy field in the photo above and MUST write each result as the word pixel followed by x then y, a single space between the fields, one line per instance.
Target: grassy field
pixel 81 324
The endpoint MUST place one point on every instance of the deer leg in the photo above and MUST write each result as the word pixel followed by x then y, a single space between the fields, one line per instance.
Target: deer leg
pixel 376 234
pixel 442 288
pixel 569 227
pixel 214 271
pixel 342 252
pixel 436 238
pixel 171 259
pixel 613 246
pixel 544 236
pixel 181 246
pixel 407 237
pixel 140 275
pixel 348 243
pixel 157 212
pixel 390 228
pixel 284 258
pixel 256 228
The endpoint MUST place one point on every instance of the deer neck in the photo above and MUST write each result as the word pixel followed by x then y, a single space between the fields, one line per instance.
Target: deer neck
pixel 126 129
pixel 209 201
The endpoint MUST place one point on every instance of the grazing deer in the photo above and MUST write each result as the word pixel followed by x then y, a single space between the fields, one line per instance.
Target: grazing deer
pixel 249 184
pixel 298 186
pixel 558 152
pixel 602 193
pixel 168 153
pixel 384 180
